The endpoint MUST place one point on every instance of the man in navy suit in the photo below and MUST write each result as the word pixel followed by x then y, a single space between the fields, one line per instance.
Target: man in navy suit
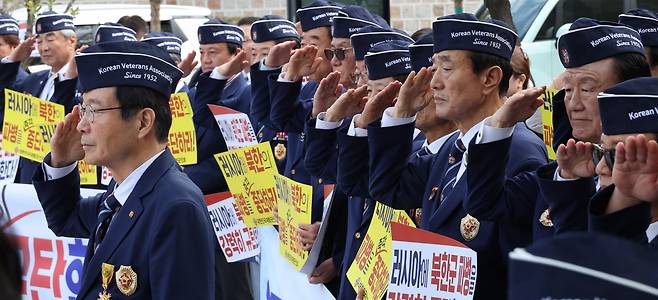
pixel 56 44
pixel 470 75
pixel 150 235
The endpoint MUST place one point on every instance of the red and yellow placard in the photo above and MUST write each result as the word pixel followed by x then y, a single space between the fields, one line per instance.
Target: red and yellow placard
pixel 182 136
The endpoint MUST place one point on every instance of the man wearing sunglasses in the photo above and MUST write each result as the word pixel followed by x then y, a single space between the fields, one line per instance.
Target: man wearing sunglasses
pixel 541 200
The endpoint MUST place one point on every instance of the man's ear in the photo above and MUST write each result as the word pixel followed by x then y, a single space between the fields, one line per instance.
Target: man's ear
pixel 146 118
pixel 491 78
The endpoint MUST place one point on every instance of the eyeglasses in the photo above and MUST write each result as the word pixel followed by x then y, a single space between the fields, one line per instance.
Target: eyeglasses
pixel 607 154
pixel 338 52
pixel 87 112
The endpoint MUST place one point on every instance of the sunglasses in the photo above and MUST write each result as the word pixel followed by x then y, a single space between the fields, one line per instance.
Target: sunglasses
pixel 607 154
pixel 339 53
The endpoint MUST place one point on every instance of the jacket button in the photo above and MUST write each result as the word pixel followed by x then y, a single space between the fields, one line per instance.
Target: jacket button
pixel 292 172
pixel 320 181
pixel 357 235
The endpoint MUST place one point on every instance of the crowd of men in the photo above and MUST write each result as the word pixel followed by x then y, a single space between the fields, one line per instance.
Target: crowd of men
pixel 443 123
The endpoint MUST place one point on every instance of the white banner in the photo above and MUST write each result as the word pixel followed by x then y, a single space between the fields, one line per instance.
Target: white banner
pixel 236 240
pixel 235 126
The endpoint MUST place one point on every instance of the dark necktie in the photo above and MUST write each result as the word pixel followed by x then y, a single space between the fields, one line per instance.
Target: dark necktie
pixel 454 162
pixel 109 207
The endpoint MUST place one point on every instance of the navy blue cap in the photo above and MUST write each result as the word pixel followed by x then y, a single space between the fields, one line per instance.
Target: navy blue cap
pixel 127 63
pixel 589 40
pixel 645 22
pixel 8 25
pixel 583 266
pixel 271 28
pixel 370 35
pixel 421 52
pixel 357 18
pixel 466 32
pixel 630 107
pixel 216 31
pixel 318 14
pixel 113 32
pixel 165 40
pixel 52 21
pixel 388 59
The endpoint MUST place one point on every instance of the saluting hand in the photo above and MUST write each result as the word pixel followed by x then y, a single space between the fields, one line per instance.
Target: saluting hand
pixel 348 104
pixel 303 62
pixel 280 54
pixel 188 64
pixel 518 108
pixel 23 50
pixel 376 105
pixel 415 94
pixel 575 160
pixel 65 145
pixel 328 91
pixel 235 65
pixel 635 172
pixel 72 72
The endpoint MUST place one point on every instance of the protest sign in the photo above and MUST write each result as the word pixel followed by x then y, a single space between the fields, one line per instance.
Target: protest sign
pixel 29 124
pixel 236 240
pixel 235 126
pixel 426 265
pixel 249 174
pixel 182 136
pixel 372 263
pixel 294 202
pixel 88 175
pixel 8 165
pixel 547 120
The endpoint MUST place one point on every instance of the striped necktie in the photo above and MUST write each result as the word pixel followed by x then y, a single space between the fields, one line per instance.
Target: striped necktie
pixel 454 162
pixel 110 206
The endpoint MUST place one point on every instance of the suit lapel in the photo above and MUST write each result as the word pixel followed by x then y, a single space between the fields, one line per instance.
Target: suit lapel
pixel 449 205
pixel 36 87
pixel 125 219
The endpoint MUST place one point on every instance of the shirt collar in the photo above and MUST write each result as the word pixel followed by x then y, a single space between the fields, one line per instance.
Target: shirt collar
pixel 652 231
pixel 123 191
pixel 470 134
pixel 435 146
pixel 61 71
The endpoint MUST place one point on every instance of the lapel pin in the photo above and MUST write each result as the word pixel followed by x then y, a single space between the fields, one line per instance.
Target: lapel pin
pixel 131 214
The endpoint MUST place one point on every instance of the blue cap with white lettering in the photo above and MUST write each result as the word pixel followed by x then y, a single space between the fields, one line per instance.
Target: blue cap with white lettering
pixel 113 32
pixel 370 35
pixel 217 31
pixel 272 28
pixel 165 40
pixel 466 32
pixel 630 107
pixel 356 19
pixel 589 40
pixel 645 22
pixel 421 52
pixel 318 14
pixel 52 21
pixel 8 25
pixel 127 64
pixel 388 59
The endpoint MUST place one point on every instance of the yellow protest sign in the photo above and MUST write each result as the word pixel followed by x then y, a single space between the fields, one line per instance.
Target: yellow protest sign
pixel 249 173
pixel 547 120
pixel 29 124
pixel 371 266
pixel 182 136
pixel 88 174
pixel 294 202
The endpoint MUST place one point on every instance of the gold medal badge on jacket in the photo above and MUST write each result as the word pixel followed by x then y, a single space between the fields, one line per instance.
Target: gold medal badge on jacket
pixel 107 271
pixel 545 218
pixel 126 280
pixel 280 151
pixel 469 227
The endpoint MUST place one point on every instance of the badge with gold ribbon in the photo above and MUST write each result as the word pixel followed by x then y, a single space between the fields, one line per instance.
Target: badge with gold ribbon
pixel 107 272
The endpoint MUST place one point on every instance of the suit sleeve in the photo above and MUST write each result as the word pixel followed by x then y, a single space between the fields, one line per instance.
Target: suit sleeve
pixel 395 179
pixel 321 153
pixel 260 94
pixel 492 195
pixel 629 223
pixel 567 200
pixel 182 254
pixel 353 172
pixel 208 90
pixel 290 107
pixel 67 213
